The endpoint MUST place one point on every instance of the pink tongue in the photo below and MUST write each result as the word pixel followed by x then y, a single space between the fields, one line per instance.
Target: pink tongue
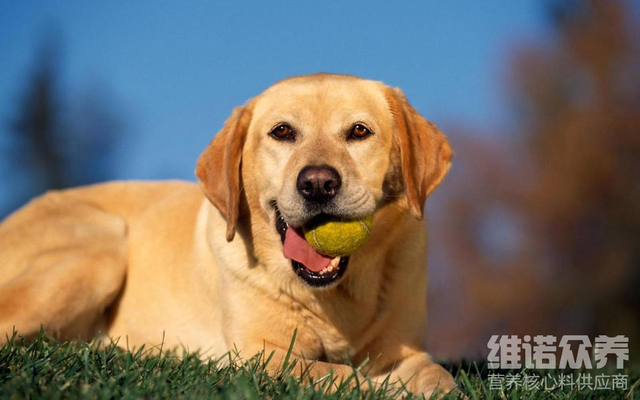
pixel 296 248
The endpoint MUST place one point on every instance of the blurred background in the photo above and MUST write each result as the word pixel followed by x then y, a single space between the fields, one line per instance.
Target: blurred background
pixel 535 231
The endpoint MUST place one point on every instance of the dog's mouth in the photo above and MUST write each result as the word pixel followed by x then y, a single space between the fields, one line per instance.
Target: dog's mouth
pixel 313 268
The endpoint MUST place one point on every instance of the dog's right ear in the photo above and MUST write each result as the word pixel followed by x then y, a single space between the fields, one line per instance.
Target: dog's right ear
pixel 218 168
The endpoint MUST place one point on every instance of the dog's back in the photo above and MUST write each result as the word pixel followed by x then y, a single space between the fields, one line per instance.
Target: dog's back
pixel 67 255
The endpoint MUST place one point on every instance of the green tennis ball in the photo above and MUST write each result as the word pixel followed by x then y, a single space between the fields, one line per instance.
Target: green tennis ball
pixel 338 237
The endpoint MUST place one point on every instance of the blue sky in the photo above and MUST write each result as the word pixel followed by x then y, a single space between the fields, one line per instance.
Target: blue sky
pixel 176 69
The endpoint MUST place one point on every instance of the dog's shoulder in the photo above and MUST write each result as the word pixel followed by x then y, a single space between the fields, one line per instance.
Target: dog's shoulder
pixel 128 198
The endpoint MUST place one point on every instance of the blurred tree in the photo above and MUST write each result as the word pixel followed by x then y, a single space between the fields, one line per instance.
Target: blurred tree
pixel 583 131
pixel 37 124
pixel 60 141
pixel 544 228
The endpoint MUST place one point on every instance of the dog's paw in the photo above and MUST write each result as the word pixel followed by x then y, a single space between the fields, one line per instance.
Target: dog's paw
pixel 434 381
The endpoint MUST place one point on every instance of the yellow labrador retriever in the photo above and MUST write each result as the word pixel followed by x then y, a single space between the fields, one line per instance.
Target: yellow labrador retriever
pixel 148 261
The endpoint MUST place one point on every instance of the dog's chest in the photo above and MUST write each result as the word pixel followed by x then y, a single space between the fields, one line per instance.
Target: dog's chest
pixel 332 336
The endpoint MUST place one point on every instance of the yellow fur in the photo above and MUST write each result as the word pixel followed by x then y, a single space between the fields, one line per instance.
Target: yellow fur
pixel 151 263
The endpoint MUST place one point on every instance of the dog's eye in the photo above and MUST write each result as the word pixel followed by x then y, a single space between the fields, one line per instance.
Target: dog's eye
pixel 359 131
pixel 282 132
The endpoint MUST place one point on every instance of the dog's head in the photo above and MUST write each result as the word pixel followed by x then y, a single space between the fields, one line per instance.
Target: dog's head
pixel 322 145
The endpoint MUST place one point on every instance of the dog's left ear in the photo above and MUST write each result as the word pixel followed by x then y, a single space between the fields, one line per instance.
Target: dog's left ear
pixel 425 153
pixel 218 168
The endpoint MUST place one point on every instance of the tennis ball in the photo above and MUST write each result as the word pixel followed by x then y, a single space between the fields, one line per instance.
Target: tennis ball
pixel 338 237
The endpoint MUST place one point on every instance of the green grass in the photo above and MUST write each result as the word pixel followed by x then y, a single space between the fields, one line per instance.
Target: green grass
pixel 44 368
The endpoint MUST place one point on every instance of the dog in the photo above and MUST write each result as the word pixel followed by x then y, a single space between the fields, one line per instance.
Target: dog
pixel 202 267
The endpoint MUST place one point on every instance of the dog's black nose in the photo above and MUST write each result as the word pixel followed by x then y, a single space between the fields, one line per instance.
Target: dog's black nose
pixel 318 183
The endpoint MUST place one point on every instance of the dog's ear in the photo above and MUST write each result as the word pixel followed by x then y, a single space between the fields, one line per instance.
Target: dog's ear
pixel 218 168
pixel 425 153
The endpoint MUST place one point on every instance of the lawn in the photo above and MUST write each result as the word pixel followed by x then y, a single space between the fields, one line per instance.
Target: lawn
pixel 44 368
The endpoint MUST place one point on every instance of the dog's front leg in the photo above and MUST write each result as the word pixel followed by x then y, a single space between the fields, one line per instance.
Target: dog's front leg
pixel 309 370
pixel 420 375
